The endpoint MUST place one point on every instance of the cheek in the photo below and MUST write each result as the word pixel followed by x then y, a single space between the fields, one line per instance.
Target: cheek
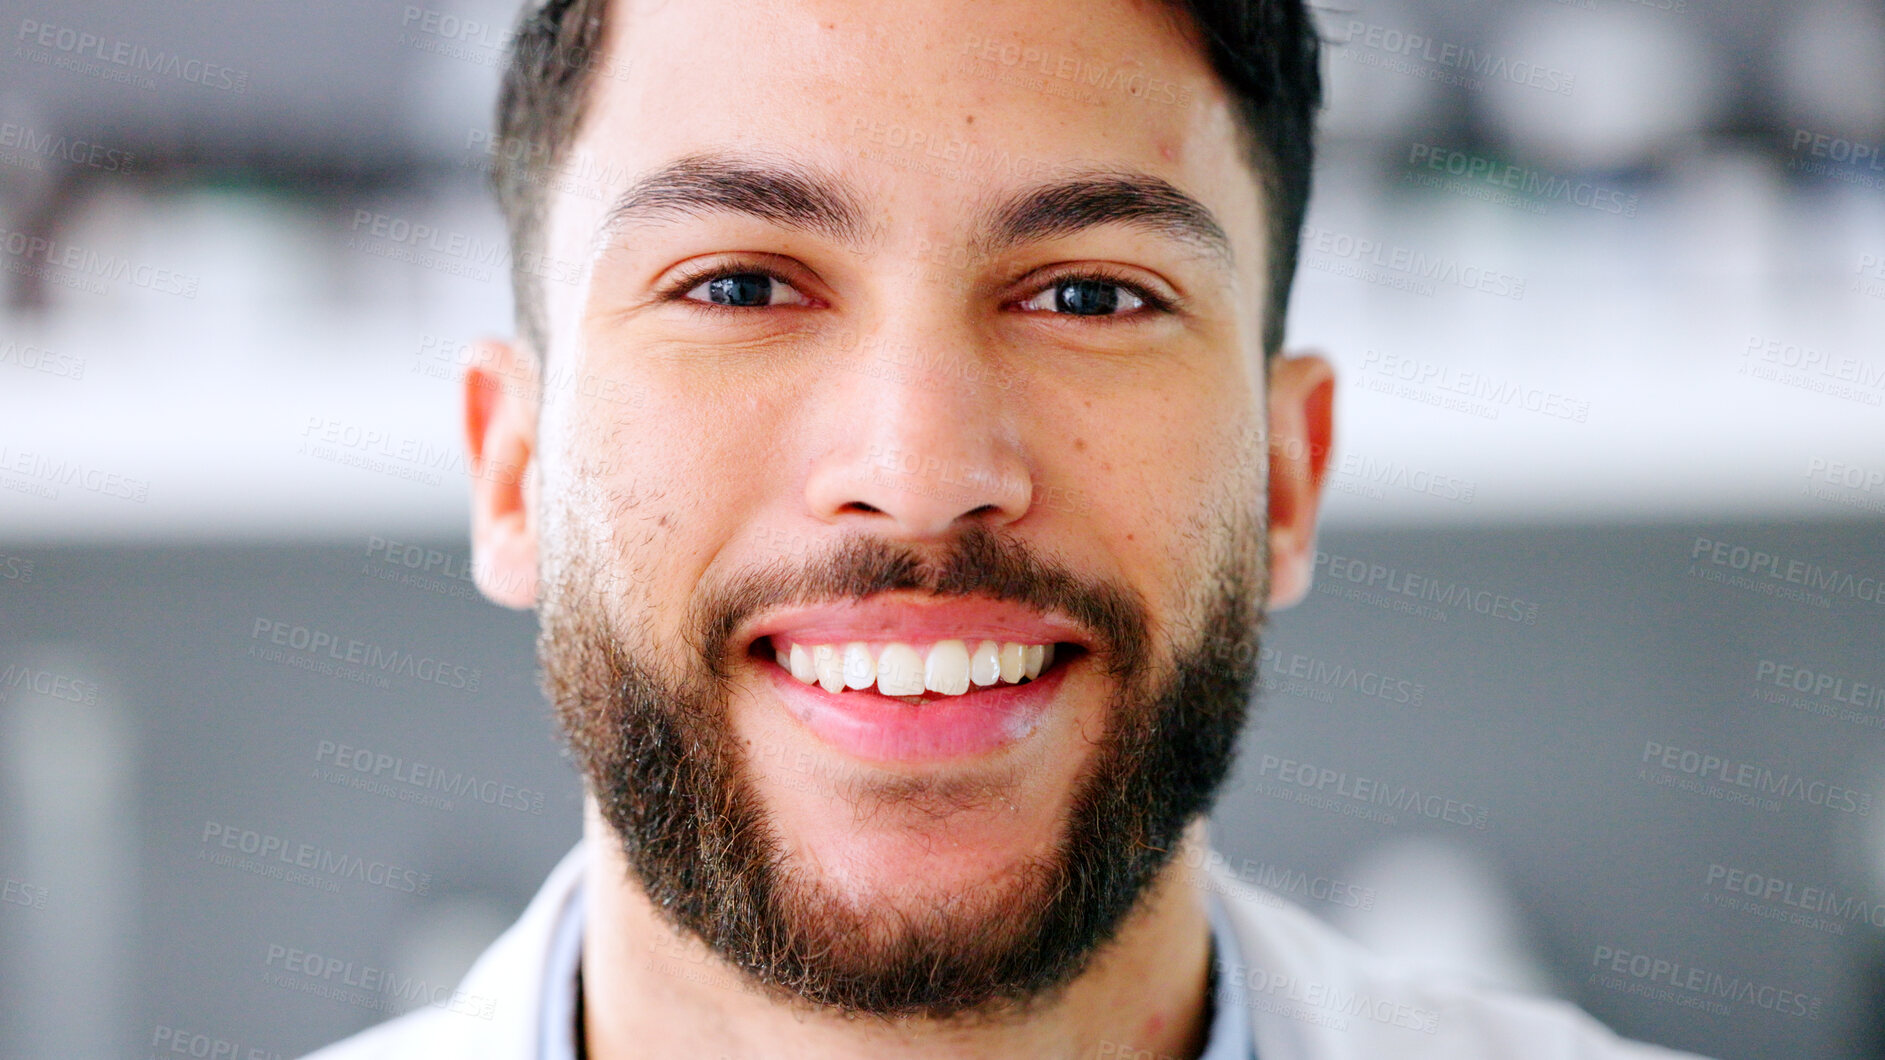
pixel 1160 485
pixel 607 494
pixel 665 485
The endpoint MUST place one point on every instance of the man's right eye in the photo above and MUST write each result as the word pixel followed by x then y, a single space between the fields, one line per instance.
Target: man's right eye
pixel 745 290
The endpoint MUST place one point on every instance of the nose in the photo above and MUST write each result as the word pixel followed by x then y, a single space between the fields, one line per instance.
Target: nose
pixel 924 436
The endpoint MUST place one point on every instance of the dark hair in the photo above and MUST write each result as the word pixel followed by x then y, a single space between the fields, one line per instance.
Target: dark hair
pixel 1265 51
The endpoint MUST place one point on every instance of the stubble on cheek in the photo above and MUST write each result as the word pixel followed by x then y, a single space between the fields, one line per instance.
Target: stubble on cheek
pixel 1213 530
pixel 605 511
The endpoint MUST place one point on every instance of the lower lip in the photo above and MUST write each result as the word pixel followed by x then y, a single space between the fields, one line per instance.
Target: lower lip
pixel 867 725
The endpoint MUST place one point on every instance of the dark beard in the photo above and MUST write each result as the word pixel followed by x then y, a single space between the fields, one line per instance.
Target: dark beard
pixel 658 753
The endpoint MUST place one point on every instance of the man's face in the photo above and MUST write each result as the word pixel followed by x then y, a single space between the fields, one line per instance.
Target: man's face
pixel 906 402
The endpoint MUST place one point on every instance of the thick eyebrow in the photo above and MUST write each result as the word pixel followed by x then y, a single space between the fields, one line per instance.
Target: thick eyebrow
pixel 1104 197
pixel 782 192
pixel 793 195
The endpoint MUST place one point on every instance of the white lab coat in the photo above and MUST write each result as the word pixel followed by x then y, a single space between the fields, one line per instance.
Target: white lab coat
pixel 1312 995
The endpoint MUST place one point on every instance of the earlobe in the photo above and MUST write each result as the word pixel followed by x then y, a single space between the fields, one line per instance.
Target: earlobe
pixel 500 390
pixel 1302 432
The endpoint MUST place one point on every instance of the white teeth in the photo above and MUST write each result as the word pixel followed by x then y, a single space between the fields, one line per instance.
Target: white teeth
pixel 860 670
pixel 830 670
pixel 1013 661
pixel 949 667
pixel 802 667
pixel 899 671
pixel 985 664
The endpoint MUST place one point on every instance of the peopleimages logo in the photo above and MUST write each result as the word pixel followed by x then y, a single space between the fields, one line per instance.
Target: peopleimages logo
pixel 273 852
pixel 375 658
pixel 1273 880
pixel 1323 1004
pixel 1810 902
pixel 368 986
pixel 39 359
pixel 1417 268
pixel 1700 769
pixel 1702 984
pixel 1804 367
pixel 1865 275
pixel 174 1041
pixel 1832 472
pixel 30 143
pixel 357 766
pixel 1835 687
pixel 1130 79
pixel 1371 792
pixel 421 558
pixel 42 475
pixel 1772 567
pixel 1475 393
pixel 76 45
pixel 1342 677
pixel 19 892
pixel 1442 592
pixel 91 266
pixel 16 568
pixel 1505 176
pixel 1838 149
pixel 1446 62
pixel 47 683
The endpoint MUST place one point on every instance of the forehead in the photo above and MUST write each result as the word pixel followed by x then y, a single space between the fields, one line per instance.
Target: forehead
pixel 930 108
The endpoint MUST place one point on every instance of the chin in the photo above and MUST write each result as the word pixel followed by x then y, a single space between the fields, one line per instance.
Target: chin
pixel 874 828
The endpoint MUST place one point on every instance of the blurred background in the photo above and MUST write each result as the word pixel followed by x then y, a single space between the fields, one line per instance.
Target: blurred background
pixel 1605 284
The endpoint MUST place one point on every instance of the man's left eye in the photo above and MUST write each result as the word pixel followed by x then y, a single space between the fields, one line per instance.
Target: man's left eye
pixel 1086 297
pixel 747 290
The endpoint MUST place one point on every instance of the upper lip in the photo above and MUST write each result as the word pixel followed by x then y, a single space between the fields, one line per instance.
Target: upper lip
pixel 918 619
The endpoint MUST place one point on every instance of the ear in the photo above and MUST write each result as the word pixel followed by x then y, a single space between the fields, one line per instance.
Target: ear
pixel 501 388
pixel 1302 429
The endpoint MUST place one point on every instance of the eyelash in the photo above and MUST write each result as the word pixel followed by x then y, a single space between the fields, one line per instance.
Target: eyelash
pixel 694 277
pixel 1153 302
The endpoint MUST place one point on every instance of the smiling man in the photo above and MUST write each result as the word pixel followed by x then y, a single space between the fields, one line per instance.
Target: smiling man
pixel 907 465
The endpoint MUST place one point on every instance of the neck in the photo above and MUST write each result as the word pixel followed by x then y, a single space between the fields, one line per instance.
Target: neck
pixel 651 991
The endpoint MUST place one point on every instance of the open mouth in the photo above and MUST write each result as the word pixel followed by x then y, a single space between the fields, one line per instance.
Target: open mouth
pixel 915 672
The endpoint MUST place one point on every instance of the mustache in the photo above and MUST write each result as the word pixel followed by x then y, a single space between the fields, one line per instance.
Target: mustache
pixel 978 561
